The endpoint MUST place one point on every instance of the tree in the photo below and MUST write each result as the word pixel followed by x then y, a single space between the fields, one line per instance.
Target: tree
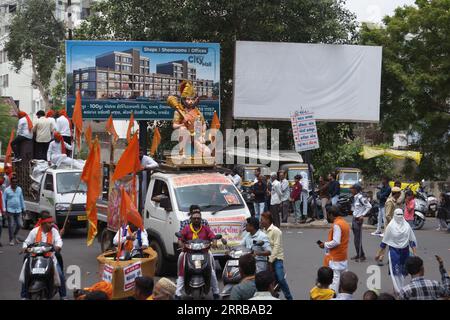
pixel 415 91
pixel 313 21
pixel 7 123
pixel 36 35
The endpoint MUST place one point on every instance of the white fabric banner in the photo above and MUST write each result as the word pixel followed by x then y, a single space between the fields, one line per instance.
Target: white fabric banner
pixel 336 82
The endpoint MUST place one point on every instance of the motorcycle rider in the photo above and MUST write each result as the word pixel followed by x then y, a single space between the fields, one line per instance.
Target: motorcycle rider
pixel 253 235
pixel 131 237
pixel 44 232
pixel 196 230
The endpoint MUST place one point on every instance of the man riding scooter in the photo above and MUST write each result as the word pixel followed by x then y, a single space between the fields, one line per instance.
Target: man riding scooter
pixel 258 242
pixel 196 230
pixel 133 240
pixel 44 232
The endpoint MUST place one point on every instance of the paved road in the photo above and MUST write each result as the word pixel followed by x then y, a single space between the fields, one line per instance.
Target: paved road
pixel 303 258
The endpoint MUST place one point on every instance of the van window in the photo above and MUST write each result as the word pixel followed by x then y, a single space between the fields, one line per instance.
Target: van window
pixel 160 188
pixel 48 183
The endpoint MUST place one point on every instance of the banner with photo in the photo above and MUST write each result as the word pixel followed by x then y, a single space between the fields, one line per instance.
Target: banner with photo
pixel 121 77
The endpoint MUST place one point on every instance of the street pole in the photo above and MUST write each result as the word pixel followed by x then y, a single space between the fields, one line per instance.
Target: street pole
pixel 69 16
pixel 143 135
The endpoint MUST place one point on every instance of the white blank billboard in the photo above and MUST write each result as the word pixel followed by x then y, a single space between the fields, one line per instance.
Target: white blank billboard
pixel 336 82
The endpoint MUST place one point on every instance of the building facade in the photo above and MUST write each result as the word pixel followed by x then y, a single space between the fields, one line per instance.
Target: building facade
pixel 126 75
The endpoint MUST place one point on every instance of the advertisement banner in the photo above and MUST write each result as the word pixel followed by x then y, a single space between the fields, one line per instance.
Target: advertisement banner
pixel 130 274
pixel 107 273
pixel 231 229
pixel 304 131
pixel 121 77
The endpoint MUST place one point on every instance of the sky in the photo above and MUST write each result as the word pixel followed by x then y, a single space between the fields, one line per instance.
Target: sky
pixel 374 10
pixel 81 54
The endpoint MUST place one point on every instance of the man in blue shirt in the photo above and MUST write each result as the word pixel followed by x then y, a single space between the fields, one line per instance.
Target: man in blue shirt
pixel 250 241
pixel 14 206
pixel 382 196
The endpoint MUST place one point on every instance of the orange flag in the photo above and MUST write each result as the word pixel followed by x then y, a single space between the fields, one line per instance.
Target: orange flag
pixel 77 119
pixel 130 126
pixel 215 123
pixel 129 161
pixel 8 159
pixel 88 135
pixel 92 176
pixel 156 141
pixel 128 211
pixel 111 130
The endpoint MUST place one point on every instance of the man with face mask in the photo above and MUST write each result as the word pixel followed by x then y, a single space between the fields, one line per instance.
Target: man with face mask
pixel 336 247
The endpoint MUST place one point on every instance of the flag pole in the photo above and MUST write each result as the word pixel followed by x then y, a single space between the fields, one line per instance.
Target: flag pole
pixel 70 209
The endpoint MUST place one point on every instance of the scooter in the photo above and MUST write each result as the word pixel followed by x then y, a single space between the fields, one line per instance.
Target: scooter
pixel 230 274
pixel 197 267
pixel 40 272
pixel 432 203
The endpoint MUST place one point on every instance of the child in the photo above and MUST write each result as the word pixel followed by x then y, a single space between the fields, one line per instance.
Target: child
pixel 324 279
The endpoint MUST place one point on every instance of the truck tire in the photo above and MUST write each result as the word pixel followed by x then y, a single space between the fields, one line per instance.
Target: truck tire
pixel 160 262
pixel 106 240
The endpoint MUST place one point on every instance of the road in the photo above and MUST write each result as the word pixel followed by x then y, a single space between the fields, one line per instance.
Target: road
pixel 302 259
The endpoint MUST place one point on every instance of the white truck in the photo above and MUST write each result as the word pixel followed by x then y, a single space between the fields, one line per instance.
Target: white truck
pixel 55 191
pixel 167 201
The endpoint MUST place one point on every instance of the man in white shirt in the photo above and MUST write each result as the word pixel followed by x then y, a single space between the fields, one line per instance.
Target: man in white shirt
pixel 347 286
pixel 275 199
pixel 57 153
pixel 44 232
pixel 304 181
pixel 63 126
pixel 146 161
pixel 131 237
pixel 264 281
pixel 24 133
pixel 285 193
pixel 43 128
pixel 360 207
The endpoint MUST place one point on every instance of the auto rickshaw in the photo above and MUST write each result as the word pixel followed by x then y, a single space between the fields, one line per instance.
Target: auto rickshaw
pixel 247 174
pixel 348 177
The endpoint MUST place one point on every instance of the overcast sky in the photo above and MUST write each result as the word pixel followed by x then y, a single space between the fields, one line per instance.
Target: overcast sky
pixel 374 10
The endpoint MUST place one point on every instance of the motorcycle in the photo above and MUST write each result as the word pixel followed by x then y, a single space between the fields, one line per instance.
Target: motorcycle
pixel 432 203
pixel 345 203
pixel 231 275
pixel 197 267
pixel 420 210
pixel 40 272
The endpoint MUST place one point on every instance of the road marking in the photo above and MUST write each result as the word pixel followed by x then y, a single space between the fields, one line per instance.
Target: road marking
pixel 288 231
pixel 299 232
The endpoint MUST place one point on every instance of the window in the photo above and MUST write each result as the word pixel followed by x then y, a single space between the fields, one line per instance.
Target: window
pixel 48 183
pixel 84 85
pixel 69 181
pixel 101 76
pixel 117 58
pixel 4 81
pixel 160 189
pixel 85 76
pixel 3 56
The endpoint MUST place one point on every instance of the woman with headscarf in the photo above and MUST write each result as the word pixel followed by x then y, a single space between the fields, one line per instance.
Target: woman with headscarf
pixel 24 133
pixel 57 150
pixel 399 236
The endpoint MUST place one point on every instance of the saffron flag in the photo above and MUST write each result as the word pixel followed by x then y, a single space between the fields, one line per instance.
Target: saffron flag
pixel 8 159
pixel 156 141
pixel 92 176
pixel 215 123
pixel 111 130
pixel 130 126
pixel 128 211
pixel 77 119
pixel 129 161
pixel 88 135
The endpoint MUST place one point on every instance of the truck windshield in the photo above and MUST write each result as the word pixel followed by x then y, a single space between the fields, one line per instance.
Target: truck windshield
pixel 348 177
pixel 209 197
pixel 67 182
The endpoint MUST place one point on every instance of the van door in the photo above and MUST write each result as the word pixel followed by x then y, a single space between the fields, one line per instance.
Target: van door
pixel 47 197
pixel 160 220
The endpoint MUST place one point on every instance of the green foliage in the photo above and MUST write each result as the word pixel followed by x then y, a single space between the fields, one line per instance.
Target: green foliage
pixel 416 80
pixel 7 123
pixel 36 35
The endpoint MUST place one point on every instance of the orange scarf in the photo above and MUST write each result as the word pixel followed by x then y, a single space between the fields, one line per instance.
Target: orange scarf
pixel 59 138
pixel 49 236
pixel 22 114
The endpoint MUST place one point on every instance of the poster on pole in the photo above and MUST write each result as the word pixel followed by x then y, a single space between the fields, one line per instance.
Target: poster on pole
pixel 121 77
pixel 304 130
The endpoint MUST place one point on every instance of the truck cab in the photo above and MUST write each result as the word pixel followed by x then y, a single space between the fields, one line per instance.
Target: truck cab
pixel 348 177
pixel 169 195
pixel 55 193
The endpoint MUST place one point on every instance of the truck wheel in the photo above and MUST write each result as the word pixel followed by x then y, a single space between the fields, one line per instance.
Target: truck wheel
pixel 160 262
pixel 106 240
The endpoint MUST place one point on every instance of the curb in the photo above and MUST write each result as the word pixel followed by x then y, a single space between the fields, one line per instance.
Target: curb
pixel 318 226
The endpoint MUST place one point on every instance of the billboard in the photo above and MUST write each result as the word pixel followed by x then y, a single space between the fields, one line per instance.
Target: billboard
pixel 336 82
pixel 120 77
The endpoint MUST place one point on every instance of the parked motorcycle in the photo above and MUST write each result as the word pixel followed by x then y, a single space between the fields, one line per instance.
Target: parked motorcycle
pixel 197 267
pixel 432 203
pixel 345 203
pixel 40 272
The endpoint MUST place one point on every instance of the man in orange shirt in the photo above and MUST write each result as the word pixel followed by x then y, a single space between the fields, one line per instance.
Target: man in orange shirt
pixel 336 247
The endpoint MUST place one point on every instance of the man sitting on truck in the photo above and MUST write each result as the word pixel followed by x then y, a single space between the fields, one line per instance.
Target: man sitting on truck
pixel 56 153
pixel 131 237
pixel 196 230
